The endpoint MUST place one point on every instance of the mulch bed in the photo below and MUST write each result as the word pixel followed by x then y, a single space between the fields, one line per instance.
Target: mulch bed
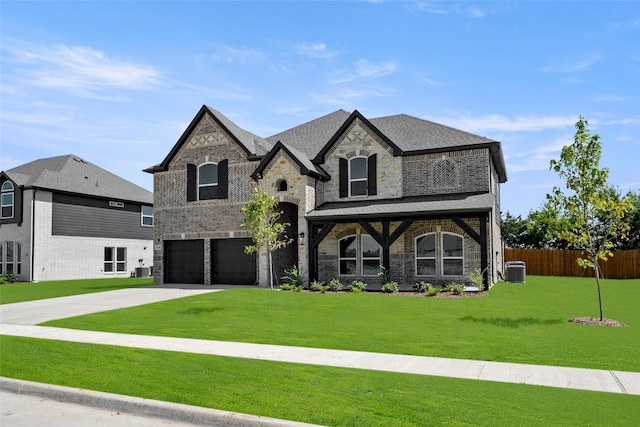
pixel 595 321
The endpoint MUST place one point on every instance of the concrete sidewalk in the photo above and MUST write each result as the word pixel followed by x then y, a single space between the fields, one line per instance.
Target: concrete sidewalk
pixel 20 319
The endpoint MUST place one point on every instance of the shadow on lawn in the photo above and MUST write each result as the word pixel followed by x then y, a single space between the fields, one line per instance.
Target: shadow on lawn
pixel 512 323
pixel 200 310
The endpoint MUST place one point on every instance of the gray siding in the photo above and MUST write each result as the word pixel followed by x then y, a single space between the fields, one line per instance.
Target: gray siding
pixel 80 216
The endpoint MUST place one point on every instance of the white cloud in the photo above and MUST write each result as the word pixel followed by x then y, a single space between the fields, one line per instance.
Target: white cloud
pixel 475 12
pixel 571 66
pixel 370 70
pixel 80 69
pixel 495 122
pixel 523 159
pixel 315 50
pixel 430 7
pixel 244 55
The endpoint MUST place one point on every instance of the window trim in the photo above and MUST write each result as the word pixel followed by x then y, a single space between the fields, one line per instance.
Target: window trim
pixel 354 259
pixel 434 258
pixel 118 265
pixel 10 192
pixel 200 186
pixel 350 180
pixel 443 257
pixel 143 216
pixel 363 258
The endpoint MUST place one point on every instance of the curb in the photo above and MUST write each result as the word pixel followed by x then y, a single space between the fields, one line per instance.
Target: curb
pixel 177 412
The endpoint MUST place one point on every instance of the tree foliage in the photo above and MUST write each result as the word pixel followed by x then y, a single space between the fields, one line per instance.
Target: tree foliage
pixel 591 214
pixel 261 220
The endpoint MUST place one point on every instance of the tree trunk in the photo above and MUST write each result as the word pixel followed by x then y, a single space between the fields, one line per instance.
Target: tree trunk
pixel 270 270
pixel 597 271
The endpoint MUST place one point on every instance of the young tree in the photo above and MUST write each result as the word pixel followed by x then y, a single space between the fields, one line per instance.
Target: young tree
pixel 260 219
pixel 590 217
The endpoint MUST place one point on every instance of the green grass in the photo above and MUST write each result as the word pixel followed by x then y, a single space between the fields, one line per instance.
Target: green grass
pixel 521 323
pixel 19 292
pixel 322 395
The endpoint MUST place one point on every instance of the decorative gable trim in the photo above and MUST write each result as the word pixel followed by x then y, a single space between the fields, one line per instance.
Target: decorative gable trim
pixel 204 115
pixel 326 150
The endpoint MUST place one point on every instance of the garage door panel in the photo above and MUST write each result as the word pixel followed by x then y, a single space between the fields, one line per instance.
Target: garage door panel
pixel 184 261
pixel 231 265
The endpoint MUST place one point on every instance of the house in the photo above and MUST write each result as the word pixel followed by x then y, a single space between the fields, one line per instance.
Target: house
pixel 65 218
pixel 419 198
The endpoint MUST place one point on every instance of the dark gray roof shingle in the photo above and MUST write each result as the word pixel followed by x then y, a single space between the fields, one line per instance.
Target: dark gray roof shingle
pixel 72 174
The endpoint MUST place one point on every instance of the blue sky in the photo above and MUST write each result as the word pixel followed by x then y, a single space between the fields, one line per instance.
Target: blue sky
pixel 118 82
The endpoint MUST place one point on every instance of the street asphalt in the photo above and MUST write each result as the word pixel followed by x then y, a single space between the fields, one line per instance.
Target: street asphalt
pixel 74 407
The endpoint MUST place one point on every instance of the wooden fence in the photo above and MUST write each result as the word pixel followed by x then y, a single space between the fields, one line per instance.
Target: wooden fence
pixel 545 262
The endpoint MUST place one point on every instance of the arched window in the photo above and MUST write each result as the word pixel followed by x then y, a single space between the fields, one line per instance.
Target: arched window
pixel 281 185
pixel 452 254
pixel 347 255
pixel 371 252
pixel 426 255
pixel 207 181
pixel 6 200
pixel 358 176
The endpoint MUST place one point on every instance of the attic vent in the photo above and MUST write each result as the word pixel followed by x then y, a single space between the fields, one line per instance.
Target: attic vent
pixel 116 204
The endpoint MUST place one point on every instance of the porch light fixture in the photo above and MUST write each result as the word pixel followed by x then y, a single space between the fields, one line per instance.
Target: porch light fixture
pixel 301 239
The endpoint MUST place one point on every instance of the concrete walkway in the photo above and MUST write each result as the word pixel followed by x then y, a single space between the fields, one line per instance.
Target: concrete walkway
pixel 20 319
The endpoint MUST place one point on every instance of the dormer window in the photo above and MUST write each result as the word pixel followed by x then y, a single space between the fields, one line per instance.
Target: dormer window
pixel 7 200
pixel 281 185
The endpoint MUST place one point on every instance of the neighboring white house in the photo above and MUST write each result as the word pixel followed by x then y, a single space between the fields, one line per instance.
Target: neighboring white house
pixel 65 218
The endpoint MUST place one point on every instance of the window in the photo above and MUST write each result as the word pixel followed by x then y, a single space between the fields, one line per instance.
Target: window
pixel 426 255
pixel 281 185
pixel 371 251
pixel 6 200
pixel 115 259
pixel 452 255
pixel 207 181
pixel 347 255
pixel 358 176
pixel 147 216
pixel 10 257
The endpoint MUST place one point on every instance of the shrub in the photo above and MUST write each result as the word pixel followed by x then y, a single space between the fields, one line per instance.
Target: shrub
pixel 316 286
pixel 293 276
pixel 455 288
pixel 358 286
pixel 422 287
pixel 334 285
pixel 476 277
pixel 286 287
pixel 390 287
pixel 9 278
pixel 385 274
pixel 433 292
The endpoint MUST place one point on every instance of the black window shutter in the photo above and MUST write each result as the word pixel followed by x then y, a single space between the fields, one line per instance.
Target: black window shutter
pixel 372 175
pixel 343 172
pixel 192 182
pixel 223 179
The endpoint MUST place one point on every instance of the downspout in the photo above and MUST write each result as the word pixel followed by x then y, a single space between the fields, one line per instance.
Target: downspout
pixel 33 234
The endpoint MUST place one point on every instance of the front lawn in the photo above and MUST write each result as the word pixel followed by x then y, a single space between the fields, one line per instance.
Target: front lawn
pixel 313 394
pixel 19 292
pixel 521 323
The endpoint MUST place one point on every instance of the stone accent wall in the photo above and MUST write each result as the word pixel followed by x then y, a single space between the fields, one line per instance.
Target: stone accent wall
pixel 466 171
pixel 358 139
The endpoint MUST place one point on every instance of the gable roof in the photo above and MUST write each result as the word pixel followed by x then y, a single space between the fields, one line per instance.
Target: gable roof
pixel 304 163
pixel 310 141
pixel 253 145
pixel 312 136
pixel 71 174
